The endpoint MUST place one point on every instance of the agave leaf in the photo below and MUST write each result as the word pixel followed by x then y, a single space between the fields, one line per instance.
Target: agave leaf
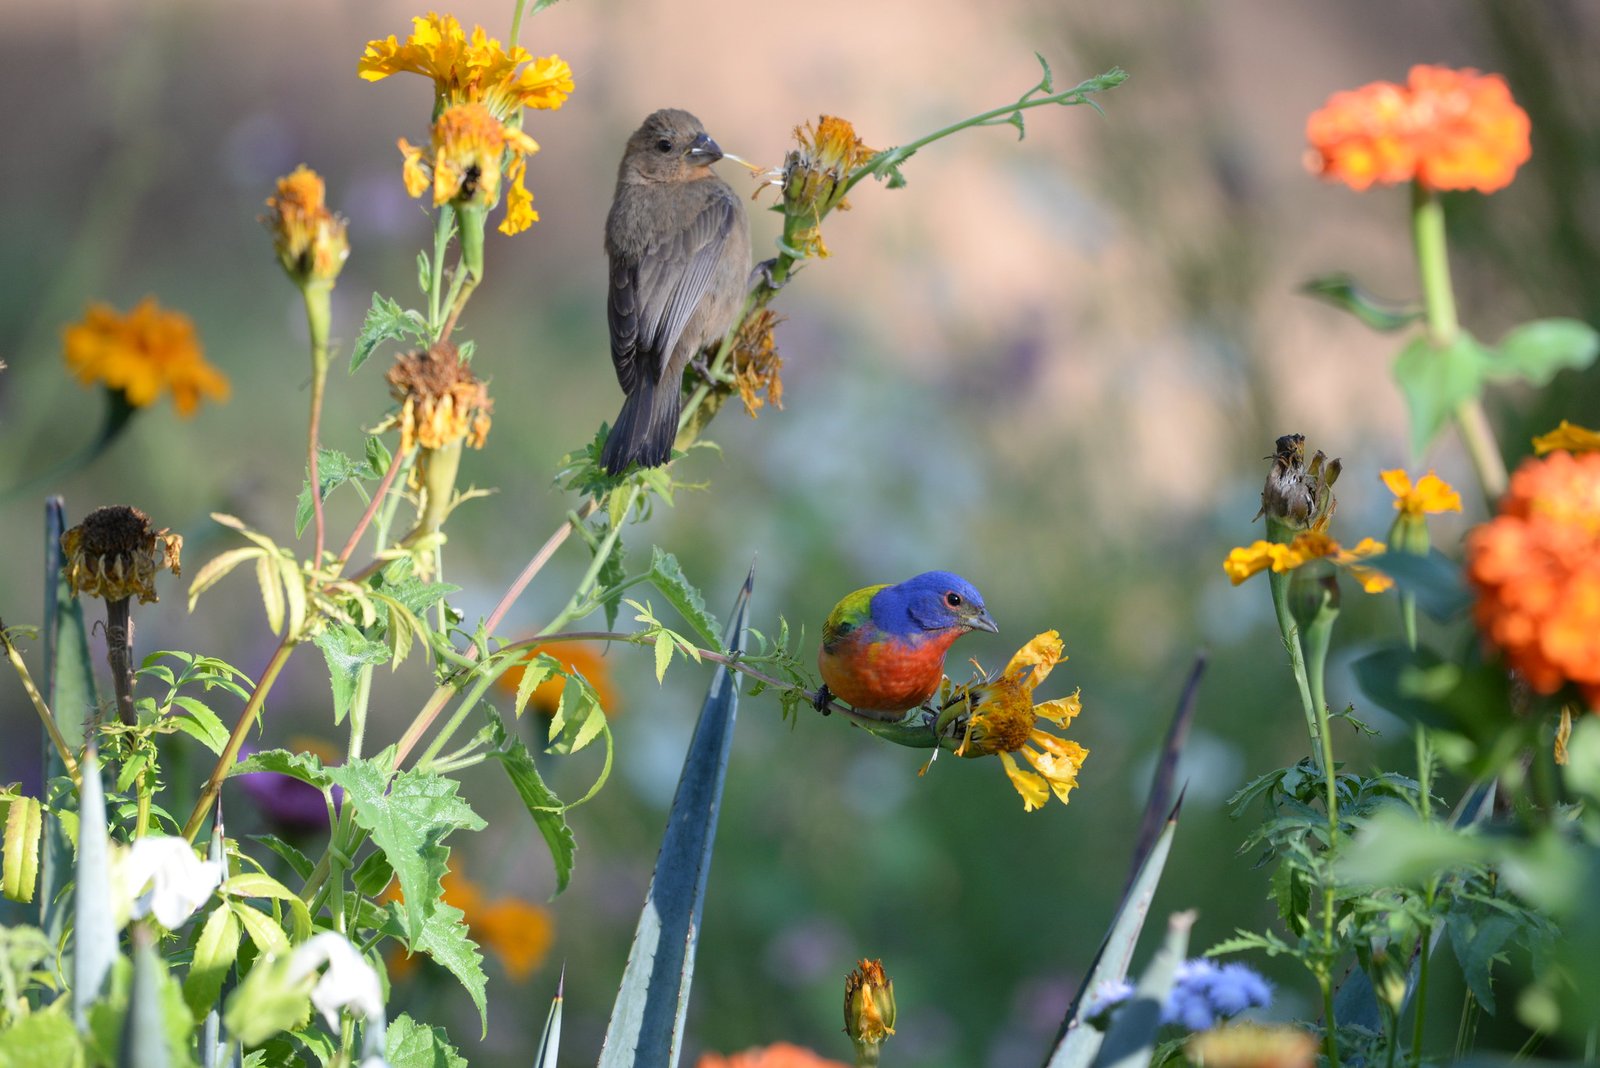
pixel 94 942
pixel 1132 1037
pixel 144 1043
pixel 646 1028
pixel 550 1041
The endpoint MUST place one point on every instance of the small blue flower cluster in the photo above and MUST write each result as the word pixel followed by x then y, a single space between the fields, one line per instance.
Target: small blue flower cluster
pixel 1202 991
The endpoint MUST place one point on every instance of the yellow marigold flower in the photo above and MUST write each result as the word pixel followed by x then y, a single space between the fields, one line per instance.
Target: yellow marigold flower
pixel 1536 568
pixel 141 354
pixel 577 658
pixel 310 240
pixel 1002 721
pixel 815 175
pixel 1245 561
pixel 441 400
pixel 463 164
pixel 475 70
pixel 1248 1045
pixel 869 1010
pixel 517 932
pixel 778 1055
pixel 1430 496
pixel 1569 437
pixel 115 553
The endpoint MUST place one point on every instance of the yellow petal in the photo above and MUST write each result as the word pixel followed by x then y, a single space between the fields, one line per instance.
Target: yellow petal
pixel 1062 710
pixel 1041 654
pixel 1433 495
pixel 1060 773
pixel 1030 786
pixel 1568 436
pixel 413 172
pixel 1399 483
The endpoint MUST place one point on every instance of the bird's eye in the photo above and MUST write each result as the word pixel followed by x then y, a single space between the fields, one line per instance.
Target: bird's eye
pixel 663 145
pixel 953 600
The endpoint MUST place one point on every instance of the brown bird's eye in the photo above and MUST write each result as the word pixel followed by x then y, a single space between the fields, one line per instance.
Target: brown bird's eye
pixel 663 145
pixel 953 600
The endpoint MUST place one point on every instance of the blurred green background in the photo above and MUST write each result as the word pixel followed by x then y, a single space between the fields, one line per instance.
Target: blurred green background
pixel 1052 366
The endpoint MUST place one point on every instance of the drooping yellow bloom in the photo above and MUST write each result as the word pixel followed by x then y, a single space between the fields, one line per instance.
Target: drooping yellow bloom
pixel 1430 496
pixel 441 400
pixel 115 553
pixel 310 240
pixel 1246 560
pixel 1003 720
pixel 1568 437
pixel 475 70
pixel 463 164
pixel 141 354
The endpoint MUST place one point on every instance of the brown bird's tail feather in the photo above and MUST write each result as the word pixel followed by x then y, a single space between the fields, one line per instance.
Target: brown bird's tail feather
pixel 645 428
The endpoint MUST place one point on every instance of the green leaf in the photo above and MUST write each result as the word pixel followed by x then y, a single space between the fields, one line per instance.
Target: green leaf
pixel 387 321
pixel 267 1002
pixel 667 576
pixel 44 1039
pixel 613 573
pixel 1394 848
pixel 1478 942
pixel 664 647
pixel 444 937
pixel 540 801
pixel 408 818
pixel 1435 580
pixel 347 651
pixel 215 950
pixel 1437 381
pixel 262 929
pixel 1343 292
pixel 1536 351
pixel 373 874
pixel 260 884
pixel 334 468
pixel 24 828
pixel 646 1026
pixel 1421 686
pixel 409 1044
pixel 297 861
pixel 535 671
pixel 1292 893
pixel 201 723
pixel 303 766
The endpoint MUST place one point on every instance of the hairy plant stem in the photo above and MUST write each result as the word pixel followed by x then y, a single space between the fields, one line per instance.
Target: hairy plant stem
pixel 1439 303
pixel 119 653
pixel 535 565
pixel 241 729
pixel 1290 630
pixel 318 314
pixel 396 462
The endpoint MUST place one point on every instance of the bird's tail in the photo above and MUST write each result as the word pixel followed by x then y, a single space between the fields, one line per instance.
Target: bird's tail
pixel 645 428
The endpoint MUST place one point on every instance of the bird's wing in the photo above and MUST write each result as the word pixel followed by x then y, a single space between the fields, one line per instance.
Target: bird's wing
pixel 651 300
pixel 849 614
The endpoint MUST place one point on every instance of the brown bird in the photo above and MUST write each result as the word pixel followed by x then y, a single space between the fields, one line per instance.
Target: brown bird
pixel 679 243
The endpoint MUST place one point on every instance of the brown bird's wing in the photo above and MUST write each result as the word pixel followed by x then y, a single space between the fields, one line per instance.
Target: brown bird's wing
pixel 652 298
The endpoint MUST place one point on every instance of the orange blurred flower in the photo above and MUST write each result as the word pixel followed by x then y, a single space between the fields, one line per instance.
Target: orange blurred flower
pixel 1447 129
pixel 778 1055
pixel 517 932
pixel 142 353
pixel 576 658
pixel 1536 567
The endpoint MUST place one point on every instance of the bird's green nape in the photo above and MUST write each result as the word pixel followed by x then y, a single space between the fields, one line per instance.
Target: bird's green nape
pixel 849 613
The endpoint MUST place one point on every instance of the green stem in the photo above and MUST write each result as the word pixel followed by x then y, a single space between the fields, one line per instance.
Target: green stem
pixel 602 553
pixel 867 1054
pixel 468 703
pixel 358 711
pixel 516 25
pixel 318 316
pixel 1330 1030
pixel 1439 303
pixel 1318 638
pixel 1297 660
pixel 241 730
pixel 443 222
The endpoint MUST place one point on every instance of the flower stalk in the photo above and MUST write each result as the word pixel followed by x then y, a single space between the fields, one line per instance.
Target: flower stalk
pixel 46 717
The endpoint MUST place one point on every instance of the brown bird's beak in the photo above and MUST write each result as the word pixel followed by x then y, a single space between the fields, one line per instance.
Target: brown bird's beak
pixel 983 621
pixel 703 151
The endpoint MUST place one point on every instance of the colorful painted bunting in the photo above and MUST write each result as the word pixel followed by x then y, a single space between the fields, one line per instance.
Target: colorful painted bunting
pixel 883 646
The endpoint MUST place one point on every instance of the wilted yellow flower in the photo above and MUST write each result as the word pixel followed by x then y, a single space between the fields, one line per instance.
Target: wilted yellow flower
pixel 1003 720
pixel 469 71
pixel 756 363
pixel 141 354
pixel 1568 437
pixel 869 1010
pixel 310 240
pixel 1244 561
pixel 441 400
pixel 463 164
pixel 1430 496
pixel 816 174
pixel 1248 1045
pixel 115 553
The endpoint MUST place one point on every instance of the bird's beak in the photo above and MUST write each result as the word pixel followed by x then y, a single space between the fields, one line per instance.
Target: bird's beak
pixel 983 621
pixel 704 151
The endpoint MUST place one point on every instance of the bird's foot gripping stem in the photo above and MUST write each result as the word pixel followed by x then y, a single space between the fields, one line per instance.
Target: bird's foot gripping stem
pixel 763 274
pixel 824 700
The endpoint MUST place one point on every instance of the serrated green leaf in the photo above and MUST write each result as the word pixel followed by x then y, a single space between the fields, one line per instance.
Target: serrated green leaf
pixel 347 651
pixel 409 1044
pixel 216 569
pixel 267 1002
pixel 298 862
pixel 260 884
pixel 42 1039
pixel 444 937
pixel 613 573
pixel 664 647
pixel 1437 381
pixel 534 672
pixel 540 801
pixel 303 766
pixel 215 950
pixel 24 828
pixel 1343 292
pixel 201 722
pixel 387 321
pixel 334 468
pixel 1478 941
pixel 667 576
pixel 408 818
pixel 1536 351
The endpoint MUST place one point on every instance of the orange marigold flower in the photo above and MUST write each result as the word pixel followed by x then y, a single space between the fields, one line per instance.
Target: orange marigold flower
pixel 779 1055
pixel 576 658
pixel 310 240
pixel 463 164
pixel 1536 567
pixel 141 354
pixel 1447 129
pixel 1567 436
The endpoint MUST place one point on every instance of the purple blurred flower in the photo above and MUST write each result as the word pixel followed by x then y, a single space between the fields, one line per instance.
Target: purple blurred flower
pixel 1201 992
pixel 289 805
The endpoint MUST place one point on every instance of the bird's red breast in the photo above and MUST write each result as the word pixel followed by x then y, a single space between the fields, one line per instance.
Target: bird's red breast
pixel 882 673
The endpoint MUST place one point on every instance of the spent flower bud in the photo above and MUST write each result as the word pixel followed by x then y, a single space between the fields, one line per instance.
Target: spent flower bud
pixel 868 1004
pixel 1297 495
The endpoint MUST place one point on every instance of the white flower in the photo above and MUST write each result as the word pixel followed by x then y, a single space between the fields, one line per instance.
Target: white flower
pixel 349 982
pixel 178 881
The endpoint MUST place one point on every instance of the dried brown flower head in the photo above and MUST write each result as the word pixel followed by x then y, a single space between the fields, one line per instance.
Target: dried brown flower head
pixel 115 553
pixel 1299 495
pixel 441 400
pixel 756 363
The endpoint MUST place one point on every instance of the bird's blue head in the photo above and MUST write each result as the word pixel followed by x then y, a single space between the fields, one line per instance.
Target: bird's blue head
pixel 932 601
